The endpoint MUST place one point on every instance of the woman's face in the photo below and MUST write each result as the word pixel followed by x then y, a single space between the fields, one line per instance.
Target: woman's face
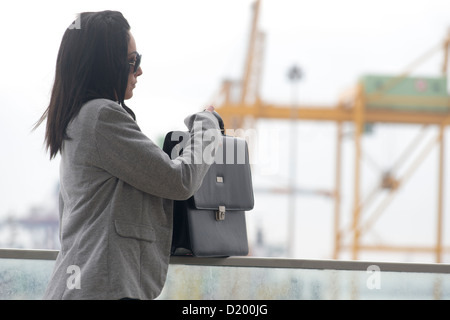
pixel 132 77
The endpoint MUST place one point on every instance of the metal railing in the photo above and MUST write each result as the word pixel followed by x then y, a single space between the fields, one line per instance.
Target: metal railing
pixel 257 262
pixel 312 264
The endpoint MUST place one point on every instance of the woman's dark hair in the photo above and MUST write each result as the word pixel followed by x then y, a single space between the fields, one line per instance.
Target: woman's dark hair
pixel 92 63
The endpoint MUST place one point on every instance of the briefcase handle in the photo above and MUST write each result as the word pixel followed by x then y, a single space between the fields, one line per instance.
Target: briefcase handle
pixel 221 124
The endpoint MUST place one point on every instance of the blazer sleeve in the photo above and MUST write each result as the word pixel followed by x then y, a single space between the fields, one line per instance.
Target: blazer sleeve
pixel 126 153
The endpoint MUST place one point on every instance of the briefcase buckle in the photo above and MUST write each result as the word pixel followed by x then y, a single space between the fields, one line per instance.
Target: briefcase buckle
pixel 220 214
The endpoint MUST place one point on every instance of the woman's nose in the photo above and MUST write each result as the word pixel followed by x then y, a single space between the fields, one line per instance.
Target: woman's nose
pixel 139 72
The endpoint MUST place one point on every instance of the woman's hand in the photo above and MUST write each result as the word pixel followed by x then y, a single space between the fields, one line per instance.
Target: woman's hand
pixel 219 119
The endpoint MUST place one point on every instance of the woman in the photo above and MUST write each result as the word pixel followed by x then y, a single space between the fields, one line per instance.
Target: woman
pixel 117 186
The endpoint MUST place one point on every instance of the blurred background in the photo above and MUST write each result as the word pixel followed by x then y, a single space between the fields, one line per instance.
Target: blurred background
pixel 344 105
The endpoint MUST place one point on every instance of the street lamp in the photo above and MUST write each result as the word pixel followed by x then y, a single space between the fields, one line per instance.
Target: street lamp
pixel 294 75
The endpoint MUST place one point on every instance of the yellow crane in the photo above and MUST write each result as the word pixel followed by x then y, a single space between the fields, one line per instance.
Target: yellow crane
pixel 375 99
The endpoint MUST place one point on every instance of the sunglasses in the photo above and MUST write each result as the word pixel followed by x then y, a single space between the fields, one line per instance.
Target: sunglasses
pixel 136 63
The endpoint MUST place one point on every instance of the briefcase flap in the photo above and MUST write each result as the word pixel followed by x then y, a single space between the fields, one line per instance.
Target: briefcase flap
pixel 228 183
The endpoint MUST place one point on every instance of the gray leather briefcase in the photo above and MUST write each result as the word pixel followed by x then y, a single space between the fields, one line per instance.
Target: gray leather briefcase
pixel 212 222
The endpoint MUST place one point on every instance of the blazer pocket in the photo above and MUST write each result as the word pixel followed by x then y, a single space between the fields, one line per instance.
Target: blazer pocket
pixel 135 231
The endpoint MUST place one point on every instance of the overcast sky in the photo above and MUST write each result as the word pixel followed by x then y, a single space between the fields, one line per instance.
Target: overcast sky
pixel 188 47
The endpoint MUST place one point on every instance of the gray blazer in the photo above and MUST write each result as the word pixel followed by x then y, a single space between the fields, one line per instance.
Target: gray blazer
pixel 116 196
